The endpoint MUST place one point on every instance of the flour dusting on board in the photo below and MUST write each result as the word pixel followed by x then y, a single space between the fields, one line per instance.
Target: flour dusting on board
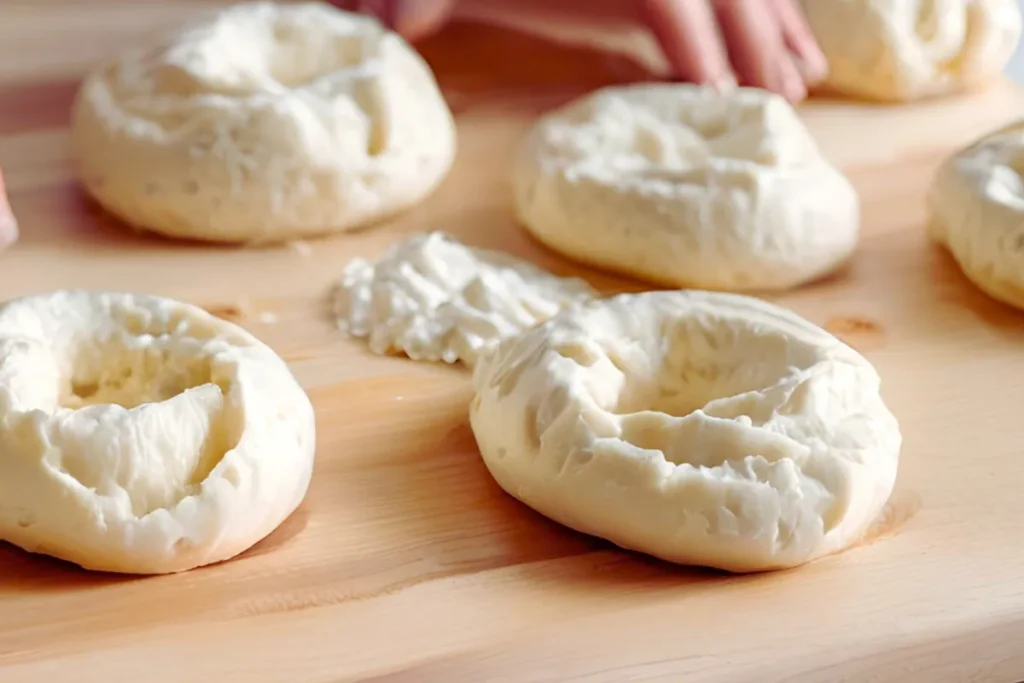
pixel 436 299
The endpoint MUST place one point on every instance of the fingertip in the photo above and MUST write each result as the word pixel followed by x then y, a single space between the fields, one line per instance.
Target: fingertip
pixel 811 63
pixel 792 85
pixel 417 19
pixel 815 72
pixel 784 78
pixel 725 83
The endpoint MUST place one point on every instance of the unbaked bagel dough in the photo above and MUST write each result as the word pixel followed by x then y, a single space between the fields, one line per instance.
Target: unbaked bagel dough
pixel 682 186
pixel 976 209
pixel 434 298
pixel 263 122
pixel 702 428
pixel 143 435
pixel 900 50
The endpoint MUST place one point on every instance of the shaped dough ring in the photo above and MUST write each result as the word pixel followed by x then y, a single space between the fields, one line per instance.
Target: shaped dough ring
pixel 264 122
pixel 143 435
pixel 902 51
pixel 701 428
pixel 685 187
pixel 976 210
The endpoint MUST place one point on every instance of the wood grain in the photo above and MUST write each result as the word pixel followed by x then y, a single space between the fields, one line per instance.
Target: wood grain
pixel 406 562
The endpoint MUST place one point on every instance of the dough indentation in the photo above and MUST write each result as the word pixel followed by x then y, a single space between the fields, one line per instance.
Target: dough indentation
pixel 686 187
pixel 703 428
pixel 144 435
pixel 263 122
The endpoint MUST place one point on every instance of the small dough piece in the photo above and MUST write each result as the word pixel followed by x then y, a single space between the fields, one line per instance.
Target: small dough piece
pixel 685 187
pixel 143 435
pixel 702 428
pixel 903 50
pixel 264 122
pixel 433 298
pixel 976 210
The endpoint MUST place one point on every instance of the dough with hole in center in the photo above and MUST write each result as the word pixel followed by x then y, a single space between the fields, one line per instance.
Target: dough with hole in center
pixel 685 187
pixel 143 435
pixel 976 210
pixel 263 122
pixel 901 50
pixel 702 428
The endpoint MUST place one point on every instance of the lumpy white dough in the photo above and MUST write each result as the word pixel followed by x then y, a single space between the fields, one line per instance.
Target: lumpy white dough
pixel 682 186
pixel 263 122
pixel 143 435
pixel 976 210
pixel 702 428
pixel 436 299
pixel 902 50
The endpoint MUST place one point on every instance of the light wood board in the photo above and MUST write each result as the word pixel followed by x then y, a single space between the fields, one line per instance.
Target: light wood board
pixel 406 562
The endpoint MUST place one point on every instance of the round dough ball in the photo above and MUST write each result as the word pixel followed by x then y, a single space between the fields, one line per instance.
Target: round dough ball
pixel 976 209
pixel 143 435
pixel 685 187
pixel 901 50
pixel 702 428
pixel 261 123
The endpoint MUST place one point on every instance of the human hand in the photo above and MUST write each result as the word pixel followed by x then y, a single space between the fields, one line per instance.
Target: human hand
pixel 759 43
pixel 8 226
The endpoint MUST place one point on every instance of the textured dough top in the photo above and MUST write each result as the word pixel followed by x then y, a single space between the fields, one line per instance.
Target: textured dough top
pixel 435 298
pixel 686 186
pixel 141 434
pixel 300 80
pixel 909 49
pixel 704 428
pixel 976 206
pixel 993 166
pixel 635 136
pixel 298 115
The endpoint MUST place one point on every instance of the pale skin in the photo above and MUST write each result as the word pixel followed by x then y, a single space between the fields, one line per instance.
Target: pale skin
pixel 8 226
pixel 759 43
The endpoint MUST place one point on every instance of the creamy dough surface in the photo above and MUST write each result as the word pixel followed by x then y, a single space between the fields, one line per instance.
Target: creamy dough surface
pixel 685 187
pixel 976 210
pixel 901 50
pixel 143 435
pixel 702 428
pixel 434 298
pixel 263 122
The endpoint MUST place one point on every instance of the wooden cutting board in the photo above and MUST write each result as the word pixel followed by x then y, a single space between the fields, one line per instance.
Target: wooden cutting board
pixel 406 562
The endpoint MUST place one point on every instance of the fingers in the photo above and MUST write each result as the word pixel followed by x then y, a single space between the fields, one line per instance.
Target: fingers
pixel 762 43
pixel 688 34
pixel 800 41
pixel 413 19
pixel 757 48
